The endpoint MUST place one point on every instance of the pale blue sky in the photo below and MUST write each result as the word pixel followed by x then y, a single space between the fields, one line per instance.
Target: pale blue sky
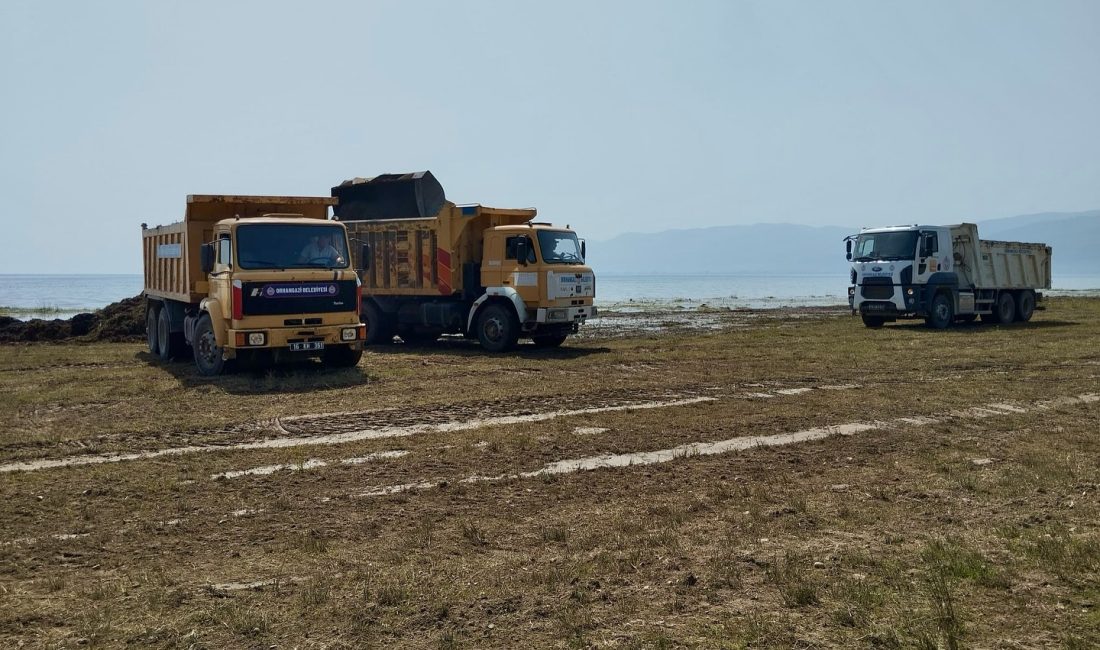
pixel 610 116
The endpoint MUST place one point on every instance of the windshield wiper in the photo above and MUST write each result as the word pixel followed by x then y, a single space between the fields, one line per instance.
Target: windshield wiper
pixel 309 265
pixel 266 263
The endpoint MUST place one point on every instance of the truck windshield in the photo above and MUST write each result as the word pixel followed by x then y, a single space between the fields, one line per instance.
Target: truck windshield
pixel 560 247
pixel 284 246
pixel 897 245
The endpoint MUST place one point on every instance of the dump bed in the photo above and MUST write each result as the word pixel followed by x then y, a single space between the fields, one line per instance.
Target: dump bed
pixel 439 255
pixel 983 264
pixel 171 253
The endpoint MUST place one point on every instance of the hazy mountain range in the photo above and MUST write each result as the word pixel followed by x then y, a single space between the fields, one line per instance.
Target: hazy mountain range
pixel 796 249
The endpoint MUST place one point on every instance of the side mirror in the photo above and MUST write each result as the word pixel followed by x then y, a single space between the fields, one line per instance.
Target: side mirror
pixel 364 257
pixel 584 256
pixel 206 257
pixel 521 251
pixel 848 249
pixel 927 245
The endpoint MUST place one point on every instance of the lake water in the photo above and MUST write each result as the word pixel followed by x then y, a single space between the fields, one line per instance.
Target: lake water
pixel 61 296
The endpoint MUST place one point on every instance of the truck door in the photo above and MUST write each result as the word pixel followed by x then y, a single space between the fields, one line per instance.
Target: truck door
pixel 927 248
pixel 522 275
pixel 220 277
pixel 933 253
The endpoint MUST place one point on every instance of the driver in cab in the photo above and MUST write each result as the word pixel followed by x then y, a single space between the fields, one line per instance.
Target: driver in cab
pixel 320 248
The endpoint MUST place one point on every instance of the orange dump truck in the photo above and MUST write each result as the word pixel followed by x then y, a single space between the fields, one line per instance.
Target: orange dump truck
pixel 251 276
pixel 430 267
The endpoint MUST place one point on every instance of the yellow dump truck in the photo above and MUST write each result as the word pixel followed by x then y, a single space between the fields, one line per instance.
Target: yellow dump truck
pixel 252 276
pixel 430 267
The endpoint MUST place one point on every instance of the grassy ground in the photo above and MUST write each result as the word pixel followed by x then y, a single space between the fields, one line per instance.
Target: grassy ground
pixel 965 531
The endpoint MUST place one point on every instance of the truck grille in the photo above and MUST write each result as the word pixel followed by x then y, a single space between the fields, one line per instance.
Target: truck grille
pixel 877 288
pixel 274 298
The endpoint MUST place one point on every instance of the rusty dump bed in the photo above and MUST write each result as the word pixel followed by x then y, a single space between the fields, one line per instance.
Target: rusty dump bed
pixel 171 253
pixel 436 256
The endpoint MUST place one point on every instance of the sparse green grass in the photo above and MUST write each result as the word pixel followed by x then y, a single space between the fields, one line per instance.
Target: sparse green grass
pixel 792 576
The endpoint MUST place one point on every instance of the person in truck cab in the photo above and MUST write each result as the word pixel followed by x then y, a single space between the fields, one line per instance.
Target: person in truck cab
pixel 321 248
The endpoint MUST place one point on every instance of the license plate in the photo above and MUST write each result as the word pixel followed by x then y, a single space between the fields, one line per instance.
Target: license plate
pixel 307 346
pixel 874 306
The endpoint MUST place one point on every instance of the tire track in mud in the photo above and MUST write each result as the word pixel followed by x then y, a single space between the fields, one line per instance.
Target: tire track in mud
pixel 341 428
pixel 335 422
pixel 79 365
pixel 741 443
pixel 350 421
pixel 608 405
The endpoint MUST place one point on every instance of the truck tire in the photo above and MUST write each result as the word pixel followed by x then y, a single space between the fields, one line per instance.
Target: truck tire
pixel 549 340
pixel 342 356
pixel 378 326
pixel 169 345
pixel 497 328
pixel 873 321
pixel 1004 310
pixel 151 329
pixel 1025 306
pixel 942 312
pixel 208 356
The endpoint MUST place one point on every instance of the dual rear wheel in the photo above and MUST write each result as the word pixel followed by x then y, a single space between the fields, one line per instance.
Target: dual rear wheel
pixel 1012 307
pixel 162 341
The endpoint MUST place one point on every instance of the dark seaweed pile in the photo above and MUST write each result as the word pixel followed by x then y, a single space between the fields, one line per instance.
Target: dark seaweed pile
pixel 120 321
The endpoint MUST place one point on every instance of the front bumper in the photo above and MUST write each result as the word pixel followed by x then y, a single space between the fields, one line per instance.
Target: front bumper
pixel 902 300
pixel 281 338
pixel 564 315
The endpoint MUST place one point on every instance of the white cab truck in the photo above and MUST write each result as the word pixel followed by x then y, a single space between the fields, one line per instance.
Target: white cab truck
pixel 944 274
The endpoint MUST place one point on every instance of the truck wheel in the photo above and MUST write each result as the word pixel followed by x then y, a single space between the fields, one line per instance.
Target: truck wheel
pixel 378 327
pixel 208 356
pixel 497 328
pixel 342 356
pixel 151 330
pixel 1004 310
pixel 1025 306
pixel 168 344
pixel 549 341
pixel 942 312
pixel 873 321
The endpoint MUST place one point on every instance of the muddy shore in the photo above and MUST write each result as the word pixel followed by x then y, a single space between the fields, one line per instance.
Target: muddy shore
pixel 125 321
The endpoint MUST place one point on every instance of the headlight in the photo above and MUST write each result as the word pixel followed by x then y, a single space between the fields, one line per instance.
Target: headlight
pixel 256 338
pixel 909 291
pixel 348 334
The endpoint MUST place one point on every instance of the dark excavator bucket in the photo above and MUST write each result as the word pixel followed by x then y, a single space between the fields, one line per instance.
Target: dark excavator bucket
pixel 389 196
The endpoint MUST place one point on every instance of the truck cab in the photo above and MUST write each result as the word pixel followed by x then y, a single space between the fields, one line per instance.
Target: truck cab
pixel 281 283
pixel 894 268
pixel 542 271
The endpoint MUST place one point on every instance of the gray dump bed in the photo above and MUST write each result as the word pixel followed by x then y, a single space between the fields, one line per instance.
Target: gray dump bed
pixel 999 264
